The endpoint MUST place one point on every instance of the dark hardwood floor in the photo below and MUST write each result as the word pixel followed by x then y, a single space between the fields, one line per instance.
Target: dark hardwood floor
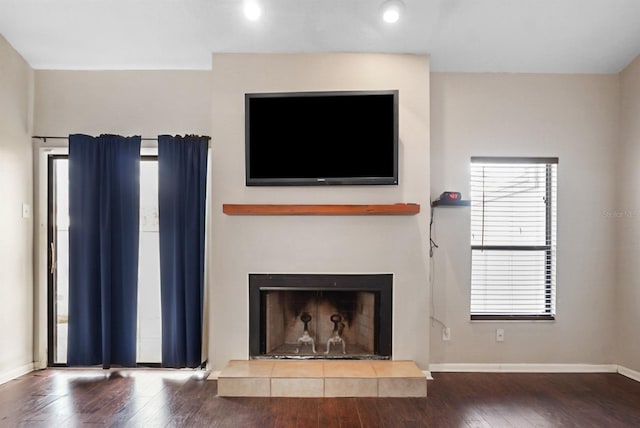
pixel 71 398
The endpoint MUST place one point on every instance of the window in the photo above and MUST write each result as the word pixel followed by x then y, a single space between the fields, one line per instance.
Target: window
pixel 513 238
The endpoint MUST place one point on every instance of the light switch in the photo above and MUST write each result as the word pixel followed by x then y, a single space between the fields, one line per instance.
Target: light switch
pixel 26 210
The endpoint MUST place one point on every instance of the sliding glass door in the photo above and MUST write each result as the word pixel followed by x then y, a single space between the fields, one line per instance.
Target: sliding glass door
pixel 149 346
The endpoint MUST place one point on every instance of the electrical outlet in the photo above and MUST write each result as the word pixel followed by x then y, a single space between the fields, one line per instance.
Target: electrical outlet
pixel 446 334
pixel 500 335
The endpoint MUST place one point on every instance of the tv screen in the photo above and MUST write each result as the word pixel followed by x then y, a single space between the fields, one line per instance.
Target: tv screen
pixel 321 138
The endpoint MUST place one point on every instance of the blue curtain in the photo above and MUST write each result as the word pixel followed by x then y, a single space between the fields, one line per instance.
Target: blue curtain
pixel 182 171
pixel 104 200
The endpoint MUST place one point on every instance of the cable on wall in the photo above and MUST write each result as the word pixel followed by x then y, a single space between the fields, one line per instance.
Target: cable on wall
pixel 432 243
pixel 432 272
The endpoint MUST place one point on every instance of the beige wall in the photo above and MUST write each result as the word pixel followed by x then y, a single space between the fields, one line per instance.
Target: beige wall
pixel 144 103
pixel 627 214
pixel 574 117
pixel 16 261
pixel 318 244
pixel 149 103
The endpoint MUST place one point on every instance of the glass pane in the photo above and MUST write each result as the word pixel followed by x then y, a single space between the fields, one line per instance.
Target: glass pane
pixel 61 240
pixel 149 316
pixel 508 204
pixel 510 282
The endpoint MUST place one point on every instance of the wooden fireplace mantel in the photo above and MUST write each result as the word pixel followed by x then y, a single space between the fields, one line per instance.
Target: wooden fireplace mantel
pixel 324 209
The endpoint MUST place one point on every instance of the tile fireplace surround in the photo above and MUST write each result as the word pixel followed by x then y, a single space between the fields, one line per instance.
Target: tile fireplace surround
pixel 284 306
pixel 290 313
pixel 321 378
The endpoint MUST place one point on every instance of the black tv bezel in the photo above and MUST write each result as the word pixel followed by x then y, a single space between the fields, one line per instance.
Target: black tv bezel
pixel 320 181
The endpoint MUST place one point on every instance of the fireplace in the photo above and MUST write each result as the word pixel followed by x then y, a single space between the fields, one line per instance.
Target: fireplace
pixel 320 316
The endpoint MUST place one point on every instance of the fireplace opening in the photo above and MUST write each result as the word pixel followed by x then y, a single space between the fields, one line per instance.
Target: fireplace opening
pixel 318 316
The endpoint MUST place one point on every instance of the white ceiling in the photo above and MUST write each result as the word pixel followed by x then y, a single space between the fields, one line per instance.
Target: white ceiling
pixel 549 36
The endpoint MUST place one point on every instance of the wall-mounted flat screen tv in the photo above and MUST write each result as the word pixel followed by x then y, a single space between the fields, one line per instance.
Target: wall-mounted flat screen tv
pixel 321 138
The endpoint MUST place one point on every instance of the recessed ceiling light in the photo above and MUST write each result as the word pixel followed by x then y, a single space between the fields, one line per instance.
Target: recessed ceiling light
pixel 252 10
pixel 391 11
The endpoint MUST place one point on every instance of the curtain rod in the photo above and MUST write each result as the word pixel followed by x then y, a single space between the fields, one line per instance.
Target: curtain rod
pixel 44 138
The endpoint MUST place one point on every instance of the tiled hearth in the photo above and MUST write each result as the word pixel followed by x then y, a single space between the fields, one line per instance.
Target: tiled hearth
pixel 322 378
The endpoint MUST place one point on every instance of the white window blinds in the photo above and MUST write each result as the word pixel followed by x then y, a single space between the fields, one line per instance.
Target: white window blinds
pixel 513 238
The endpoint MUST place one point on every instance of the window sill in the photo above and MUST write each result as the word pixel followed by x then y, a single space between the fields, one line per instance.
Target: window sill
pixel 510 318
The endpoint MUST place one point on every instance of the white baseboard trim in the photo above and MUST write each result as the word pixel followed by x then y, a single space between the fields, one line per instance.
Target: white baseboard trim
pixel 524 368
pixel 12 374
pixel 214 374
pixel 631 374
pixel 427 374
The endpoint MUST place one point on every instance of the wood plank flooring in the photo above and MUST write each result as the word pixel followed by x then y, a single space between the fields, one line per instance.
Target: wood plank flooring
pixel 147 398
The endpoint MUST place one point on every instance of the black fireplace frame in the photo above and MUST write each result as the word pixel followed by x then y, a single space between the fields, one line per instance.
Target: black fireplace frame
pixel 380 284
